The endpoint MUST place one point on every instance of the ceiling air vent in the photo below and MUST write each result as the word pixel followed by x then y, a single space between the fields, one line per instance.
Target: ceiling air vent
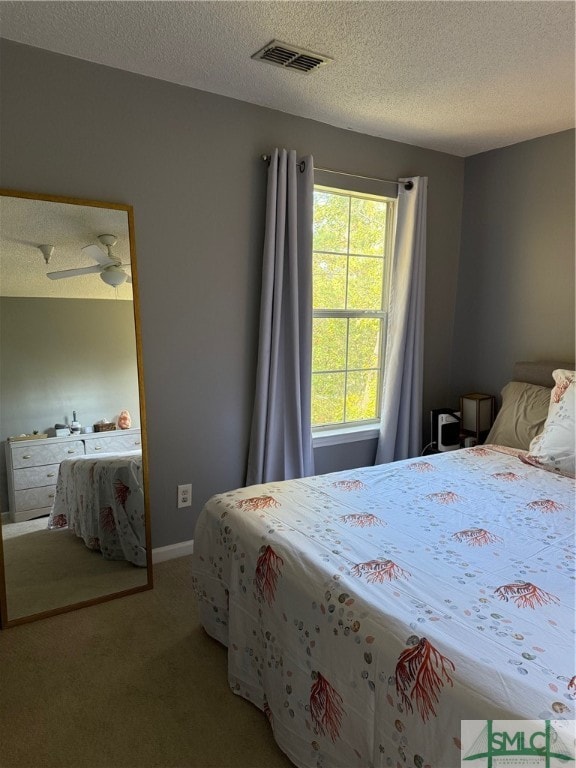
pixel 291 57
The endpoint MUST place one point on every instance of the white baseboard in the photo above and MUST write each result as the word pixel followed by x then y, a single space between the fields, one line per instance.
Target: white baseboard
pixel 183 548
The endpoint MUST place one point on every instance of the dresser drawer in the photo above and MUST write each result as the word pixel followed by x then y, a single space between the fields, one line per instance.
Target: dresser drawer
pixel 34 498
pixel 114 444
pixel 35 477
pixel 50 453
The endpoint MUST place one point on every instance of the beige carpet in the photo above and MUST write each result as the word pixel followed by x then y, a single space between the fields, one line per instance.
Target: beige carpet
pixel 48 569
pixel 132 683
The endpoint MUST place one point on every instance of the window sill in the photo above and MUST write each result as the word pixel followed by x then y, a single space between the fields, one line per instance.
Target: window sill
pixel 345 435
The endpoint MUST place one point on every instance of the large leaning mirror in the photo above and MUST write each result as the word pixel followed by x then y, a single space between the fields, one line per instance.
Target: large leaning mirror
pixel 73 467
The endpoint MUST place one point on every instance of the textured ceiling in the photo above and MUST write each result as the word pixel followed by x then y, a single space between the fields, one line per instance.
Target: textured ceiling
pixel 461 77
pixel 26 224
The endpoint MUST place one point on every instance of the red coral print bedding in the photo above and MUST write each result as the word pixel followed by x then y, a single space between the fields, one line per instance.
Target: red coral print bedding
pixel 368 612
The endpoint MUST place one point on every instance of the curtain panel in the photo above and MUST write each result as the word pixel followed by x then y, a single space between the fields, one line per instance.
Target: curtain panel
pixel 401 422
pixel 281 435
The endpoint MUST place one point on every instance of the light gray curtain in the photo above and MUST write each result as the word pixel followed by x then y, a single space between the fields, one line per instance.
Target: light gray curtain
pixel 401 422
pixel 281 436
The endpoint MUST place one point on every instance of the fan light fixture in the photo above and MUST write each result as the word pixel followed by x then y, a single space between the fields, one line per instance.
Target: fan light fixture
pixel 108 266
pixel 47 251
pixel 113 276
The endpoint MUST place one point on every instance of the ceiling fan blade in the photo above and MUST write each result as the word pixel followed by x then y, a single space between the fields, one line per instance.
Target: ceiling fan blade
pixel 96 253
pixel 73 272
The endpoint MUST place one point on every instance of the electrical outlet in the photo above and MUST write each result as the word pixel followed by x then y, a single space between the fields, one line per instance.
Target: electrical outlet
pixel 185 495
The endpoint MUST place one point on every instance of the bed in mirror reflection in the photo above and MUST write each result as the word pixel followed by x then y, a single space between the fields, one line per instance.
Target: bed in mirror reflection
pixel 70 363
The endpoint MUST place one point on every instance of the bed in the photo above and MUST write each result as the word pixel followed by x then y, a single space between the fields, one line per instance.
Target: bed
pixel 368 612
pixel 101 500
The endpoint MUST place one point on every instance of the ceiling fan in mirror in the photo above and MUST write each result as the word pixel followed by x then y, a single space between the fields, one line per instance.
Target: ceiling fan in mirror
pixel 109 267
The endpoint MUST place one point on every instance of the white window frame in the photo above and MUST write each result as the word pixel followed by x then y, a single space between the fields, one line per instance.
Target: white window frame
pixel 332 434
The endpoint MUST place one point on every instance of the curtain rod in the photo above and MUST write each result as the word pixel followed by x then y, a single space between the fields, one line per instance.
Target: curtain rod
pixel 302 165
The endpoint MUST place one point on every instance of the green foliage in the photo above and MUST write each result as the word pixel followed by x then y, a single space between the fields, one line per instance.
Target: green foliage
pixel 345 373
pixel 329 281
pixel 348 274
pixel 365 283
pixel 329 336
pixel 330 222
pixel 328 398
pixel 367 226
pixel 364 342
pixel 361 395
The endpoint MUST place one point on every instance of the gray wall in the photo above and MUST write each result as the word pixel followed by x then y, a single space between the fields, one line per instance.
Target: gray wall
pixel 189 163
pixel 61 355
pixel 516 277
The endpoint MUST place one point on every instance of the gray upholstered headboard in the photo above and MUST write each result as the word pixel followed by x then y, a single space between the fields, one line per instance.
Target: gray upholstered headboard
pixel 539 373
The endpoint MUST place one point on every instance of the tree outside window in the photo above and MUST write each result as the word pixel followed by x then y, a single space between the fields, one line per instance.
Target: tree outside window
pixel 351 260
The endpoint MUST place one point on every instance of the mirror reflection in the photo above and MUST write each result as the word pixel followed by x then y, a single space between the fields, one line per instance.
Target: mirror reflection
pixel 72 478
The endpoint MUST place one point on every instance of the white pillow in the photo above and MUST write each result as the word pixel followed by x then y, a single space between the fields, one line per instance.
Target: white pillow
pixel 555 447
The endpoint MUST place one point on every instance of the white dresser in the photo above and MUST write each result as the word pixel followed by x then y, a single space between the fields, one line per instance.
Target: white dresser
pixel 32 466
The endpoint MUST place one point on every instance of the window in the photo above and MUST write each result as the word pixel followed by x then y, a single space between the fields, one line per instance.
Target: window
pixel 352 246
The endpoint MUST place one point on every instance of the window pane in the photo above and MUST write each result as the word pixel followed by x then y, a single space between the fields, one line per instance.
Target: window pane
pixel 328 398
pixel 367 226
pixel 350 243
pixel 329 281
pixel 362 395
pixel 365 283
pixel 328 344
pixel 364 343
pixel 330 222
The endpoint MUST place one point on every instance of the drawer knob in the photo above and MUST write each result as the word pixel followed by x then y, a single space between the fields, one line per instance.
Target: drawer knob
pixel 51 495
pixel 71 451
pixel 50 474
pixel 27 456
pixel 136 442
pixel 97 447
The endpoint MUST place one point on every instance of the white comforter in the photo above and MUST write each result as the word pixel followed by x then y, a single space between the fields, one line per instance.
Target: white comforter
pixel 101 500
pixel 367 612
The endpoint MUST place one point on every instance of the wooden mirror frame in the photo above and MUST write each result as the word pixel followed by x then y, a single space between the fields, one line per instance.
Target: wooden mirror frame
pixel 5 621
